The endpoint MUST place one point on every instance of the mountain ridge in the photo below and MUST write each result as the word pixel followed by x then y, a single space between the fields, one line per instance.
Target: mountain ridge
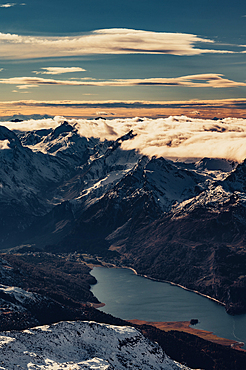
pixel 83 345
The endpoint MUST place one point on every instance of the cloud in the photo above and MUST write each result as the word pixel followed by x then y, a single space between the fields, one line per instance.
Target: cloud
pixel 7 5
pixel 182 137
pixel 103 113
pixel 172 137
pixel 211 80
pixel 59 70
pixel 20 91
pixel 106 41
pixel 33 123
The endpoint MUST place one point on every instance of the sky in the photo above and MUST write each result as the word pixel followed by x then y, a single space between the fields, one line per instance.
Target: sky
pixel 123 58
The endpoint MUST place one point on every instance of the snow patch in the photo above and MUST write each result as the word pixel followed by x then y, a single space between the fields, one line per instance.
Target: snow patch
pixel 4 144
pixel 19 294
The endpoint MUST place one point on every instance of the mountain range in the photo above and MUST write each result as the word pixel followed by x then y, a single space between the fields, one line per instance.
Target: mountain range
pixel 173 220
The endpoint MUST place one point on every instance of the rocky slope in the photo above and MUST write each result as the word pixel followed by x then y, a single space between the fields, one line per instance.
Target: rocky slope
pixel 39 289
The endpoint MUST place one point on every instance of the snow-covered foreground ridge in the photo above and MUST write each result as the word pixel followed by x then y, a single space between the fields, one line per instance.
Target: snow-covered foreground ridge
pixel 82 345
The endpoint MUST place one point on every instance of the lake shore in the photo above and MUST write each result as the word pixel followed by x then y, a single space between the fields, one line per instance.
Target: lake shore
pixel 184 326
pixel 111 265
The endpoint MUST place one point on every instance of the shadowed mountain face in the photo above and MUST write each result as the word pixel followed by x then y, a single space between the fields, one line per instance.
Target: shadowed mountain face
pixel 183 222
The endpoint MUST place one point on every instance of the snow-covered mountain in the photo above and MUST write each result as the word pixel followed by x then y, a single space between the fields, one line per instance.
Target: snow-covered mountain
pixel 42 169
pixel 82 345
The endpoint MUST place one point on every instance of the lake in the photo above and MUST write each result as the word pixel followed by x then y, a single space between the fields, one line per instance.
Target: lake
pixel 129 296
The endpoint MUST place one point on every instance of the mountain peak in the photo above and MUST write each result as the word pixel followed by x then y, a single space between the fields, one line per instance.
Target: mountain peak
pixel 63 129
pixel 6 134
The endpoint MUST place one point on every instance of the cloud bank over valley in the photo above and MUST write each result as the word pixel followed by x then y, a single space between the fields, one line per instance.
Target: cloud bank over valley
pixel 172 137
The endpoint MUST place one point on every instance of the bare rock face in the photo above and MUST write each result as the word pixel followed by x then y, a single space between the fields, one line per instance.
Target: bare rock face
pixel 82 345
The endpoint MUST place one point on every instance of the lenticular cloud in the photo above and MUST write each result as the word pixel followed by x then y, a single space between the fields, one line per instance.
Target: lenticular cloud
pixel 104 41
pixel 173 137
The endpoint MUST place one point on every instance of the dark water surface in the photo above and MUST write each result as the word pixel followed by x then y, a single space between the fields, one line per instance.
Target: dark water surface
pixel 130 296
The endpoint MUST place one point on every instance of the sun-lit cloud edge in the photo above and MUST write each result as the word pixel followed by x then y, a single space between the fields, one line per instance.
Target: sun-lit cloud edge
pixel 212 80
pixel 104 41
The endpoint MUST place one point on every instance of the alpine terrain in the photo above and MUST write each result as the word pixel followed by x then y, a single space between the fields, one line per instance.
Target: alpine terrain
pixel 76 192
pixel 180 221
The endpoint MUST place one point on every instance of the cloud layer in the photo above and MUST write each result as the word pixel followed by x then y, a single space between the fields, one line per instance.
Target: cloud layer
pixel 213 80
pixel 229 104
pixel 182 137
pixel 105 41
pixel 173 137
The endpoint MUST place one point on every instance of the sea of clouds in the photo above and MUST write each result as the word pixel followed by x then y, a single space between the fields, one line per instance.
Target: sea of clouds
pixel 173 137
